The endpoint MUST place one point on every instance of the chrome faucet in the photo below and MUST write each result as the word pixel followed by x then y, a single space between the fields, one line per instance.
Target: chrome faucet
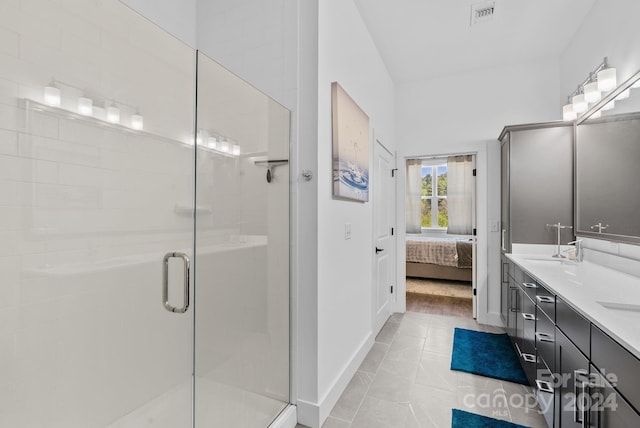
pixel 599 226
pixel 579 250
pixel 559 227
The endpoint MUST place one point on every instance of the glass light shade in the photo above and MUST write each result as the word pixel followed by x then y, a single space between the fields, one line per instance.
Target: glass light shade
pixel 596 115
pixel 568 114
pixel 591 92
pixel 624 94
pixel 608 106
pixel 235 150
pixel 579 104
pixel 224 146
pixel 85 106
pixel 212 143
pixel 113 114
pixel 607 79
pixel 52 96
pixel 137 122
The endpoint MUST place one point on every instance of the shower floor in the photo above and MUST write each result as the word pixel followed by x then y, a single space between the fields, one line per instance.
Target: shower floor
pixel 216 405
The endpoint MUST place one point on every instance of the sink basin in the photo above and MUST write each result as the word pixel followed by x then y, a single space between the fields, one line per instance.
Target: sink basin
pixel 620 306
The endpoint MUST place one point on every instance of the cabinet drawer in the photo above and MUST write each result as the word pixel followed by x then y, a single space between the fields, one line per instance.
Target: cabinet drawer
pixel 612 359
pixel 544 390
pixel 518 274
pixel 546 301
pixel 573 325
pixel 545 339
pixel 608 408
pixel 529 285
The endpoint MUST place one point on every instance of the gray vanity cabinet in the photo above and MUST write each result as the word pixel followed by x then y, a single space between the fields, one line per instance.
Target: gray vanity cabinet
pixel 504 289
pixel 536 183
pixel 607 409
pixel 573 367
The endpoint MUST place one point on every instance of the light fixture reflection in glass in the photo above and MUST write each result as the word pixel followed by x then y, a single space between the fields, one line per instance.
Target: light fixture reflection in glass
pixel 596 115
pixel 579 103
pixel 607 79
pixel 113 114
pixel 567 113
pixel 52 95
pixel 608 106
pixel 137 122
pixel 636 85
pixel 624 94
pixel 235 150
pixel 85 106
pixel 224 146
pixel 591 92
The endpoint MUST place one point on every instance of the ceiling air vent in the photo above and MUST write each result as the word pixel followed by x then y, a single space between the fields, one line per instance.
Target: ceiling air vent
pixel 482 12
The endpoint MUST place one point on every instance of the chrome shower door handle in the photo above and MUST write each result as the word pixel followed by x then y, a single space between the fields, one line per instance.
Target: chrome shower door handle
pixel 165 282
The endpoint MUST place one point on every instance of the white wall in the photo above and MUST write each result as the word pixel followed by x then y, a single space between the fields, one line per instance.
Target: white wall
pixel 346 54
pixel 610 29
pixel 176 17
pixel 465 113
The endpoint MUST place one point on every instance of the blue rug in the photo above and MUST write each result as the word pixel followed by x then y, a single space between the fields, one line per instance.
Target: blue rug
pixel 462 419
pixel 486 354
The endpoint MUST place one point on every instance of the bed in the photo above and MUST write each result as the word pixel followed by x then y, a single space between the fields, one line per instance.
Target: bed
pixel 440 258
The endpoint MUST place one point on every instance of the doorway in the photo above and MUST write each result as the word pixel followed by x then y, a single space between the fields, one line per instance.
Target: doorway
pixel 441 235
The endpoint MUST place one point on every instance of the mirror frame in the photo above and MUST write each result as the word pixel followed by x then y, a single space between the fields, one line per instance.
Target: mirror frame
pixel 596 107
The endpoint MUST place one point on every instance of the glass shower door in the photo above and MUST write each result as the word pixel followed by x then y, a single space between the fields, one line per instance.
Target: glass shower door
pixel 242 253
pixel 96 186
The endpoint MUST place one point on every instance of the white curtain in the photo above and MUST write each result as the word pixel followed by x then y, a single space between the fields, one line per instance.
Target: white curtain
pixel 413 197
pixel 460 194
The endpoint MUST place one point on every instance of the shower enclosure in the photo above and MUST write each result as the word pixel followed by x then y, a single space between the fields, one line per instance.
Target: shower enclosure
pixel 145 275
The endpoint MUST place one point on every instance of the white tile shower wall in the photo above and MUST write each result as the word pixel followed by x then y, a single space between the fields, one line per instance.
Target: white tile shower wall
pixel 86 212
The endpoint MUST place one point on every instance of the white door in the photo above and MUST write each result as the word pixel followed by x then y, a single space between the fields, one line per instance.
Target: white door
pixel 384 236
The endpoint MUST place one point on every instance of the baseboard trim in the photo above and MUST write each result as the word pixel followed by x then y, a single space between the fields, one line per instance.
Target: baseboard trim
pixel 313 415
pixel 288 418
pixel 494 319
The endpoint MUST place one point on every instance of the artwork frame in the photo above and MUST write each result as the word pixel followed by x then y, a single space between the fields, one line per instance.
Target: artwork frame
pixel 350 148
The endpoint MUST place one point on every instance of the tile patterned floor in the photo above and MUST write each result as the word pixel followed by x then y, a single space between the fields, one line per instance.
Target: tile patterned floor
pixel 405 381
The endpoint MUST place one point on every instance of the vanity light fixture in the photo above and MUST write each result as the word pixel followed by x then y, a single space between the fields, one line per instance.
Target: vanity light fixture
pixel 607 78
pixel 137 122
pixel 113 114
pixel 212 143
pixel 580 104
pixel 602 79
pixel 608 106
pixel 235 150
pixel 224 147
pixel 85 106
pixel 52 94
pixel 568 114
pixel 624 94
pixel 592 93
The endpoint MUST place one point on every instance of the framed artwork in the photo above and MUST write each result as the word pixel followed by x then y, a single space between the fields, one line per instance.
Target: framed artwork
pixel 350 126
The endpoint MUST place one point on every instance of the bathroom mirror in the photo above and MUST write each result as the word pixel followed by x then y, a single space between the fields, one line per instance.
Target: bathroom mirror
pixel 607 167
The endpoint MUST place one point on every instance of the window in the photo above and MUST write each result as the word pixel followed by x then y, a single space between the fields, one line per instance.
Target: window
pixel 434 198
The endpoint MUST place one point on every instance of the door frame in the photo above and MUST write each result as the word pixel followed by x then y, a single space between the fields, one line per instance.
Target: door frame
pixel 482 311
pixel 393 264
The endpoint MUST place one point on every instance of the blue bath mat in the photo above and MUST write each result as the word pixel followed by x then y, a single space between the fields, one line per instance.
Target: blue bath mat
pixel 486 354
pixel 462 419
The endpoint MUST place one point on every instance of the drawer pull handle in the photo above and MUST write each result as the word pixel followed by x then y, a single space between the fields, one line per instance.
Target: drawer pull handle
pixel 529 358
pixel 579 382
pixel 545 299
pixel 530 285
pixel 528 317
pixel 544 386
pixel 544 337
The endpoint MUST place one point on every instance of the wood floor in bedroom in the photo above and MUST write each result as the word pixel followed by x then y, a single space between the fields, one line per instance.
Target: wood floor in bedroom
pixel 440 297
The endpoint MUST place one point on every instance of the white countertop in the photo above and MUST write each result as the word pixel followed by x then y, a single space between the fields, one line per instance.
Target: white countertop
pixel 608 298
